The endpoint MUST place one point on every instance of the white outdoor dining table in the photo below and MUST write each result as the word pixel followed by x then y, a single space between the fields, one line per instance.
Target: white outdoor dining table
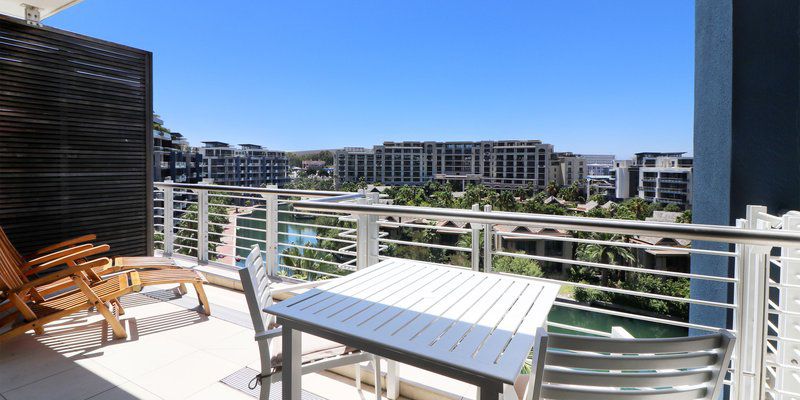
pixel 468 325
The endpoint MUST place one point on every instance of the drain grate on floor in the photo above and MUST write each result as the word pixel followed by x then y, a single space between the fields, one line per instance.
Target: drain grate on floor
pixel 239 380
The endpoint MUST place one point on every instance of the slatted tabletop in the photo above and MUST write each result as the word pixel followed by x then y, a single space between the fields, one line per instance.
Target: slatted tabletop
pixel 476 326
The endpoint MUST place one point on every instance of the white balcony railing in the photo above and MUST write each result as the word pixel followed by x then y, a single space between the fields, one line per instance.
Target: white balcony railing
pixel 318 235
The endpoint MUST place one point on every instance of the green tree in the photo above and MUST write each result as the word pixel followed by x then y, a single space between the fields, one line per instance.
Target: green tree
pixel 517 265
pixel 186 236
pixel 605 253
pixel 685 217
pixel 672 207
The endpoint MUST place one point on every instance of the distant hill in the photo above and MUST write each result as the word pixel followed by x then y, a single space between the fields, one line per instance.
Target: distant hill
pixel 310 152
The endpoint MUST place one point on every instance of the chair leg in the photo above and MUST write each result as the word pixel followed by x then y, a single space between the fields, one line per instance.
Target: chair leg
pixel 358 376
pixel 377 371
pixel 201 295
pixel 266 383
pixel 116 326
pixel 182 289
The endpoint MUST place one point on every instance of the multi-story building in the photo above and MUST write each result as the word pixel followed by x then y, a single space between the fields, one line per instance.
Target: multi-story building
pixel 248 165
pixel 498 164
pixel 661 177
pixel 173 158
pixel 599 165
pixel 567 168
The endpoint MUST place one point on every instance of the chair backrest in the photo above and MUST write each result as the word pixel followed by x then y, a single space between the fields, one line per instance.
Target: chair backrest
pixel 689 368
pixel 10 278
pixel 9 250
pixel 255 283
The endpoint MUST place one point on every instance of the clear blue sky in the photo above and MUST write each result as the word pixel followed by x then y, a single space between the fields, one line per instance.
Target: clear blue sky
pixel 590 76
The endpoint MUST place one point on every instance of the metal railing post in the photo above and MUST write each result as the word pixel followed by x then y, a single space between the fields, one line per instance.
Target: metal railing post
pixel 367 235
pixel 169 222
pixel 476 241
pixel 271 229
pixel 487 242
pixel 750 317
pixel 202 226
pixel 788 349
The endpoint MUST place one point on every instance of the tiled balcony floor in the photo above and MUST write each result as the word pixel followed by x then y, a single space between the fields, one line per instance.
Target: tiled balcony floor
pixel 172 352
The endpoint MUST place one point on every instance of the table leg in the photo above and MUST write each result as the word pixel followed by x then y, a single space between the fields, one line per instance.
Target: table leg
pixel 489 391
pixel 292 364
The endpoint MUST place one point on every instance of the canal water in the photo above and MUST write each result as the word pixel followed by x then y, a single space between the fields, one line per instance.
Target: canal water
pixel 559 314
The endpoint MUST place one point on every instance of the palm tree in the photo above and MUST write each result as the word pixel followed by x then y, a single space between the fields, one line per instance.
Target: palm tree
pixel 605 253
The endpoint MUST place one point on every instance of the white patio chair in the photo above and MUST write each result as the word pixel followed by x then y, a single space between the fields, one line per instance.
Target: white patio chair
pixel 318 354
pixel 581 367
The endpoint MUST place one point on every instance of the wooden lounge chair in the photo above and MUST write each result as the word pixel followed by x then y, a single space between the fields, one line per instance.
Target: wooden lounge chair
pixel 61 280
pixel 153 270
pixel 31 264
pixel 581 367
pixel 35 314
pixel 318 354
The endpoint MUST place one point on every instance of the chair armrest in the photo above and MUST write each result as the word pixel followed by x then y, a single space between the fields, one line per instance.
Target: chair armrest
pixel 66 243
pixel 272 333
pixel 53 256
pixel 71 258
pixel 65 273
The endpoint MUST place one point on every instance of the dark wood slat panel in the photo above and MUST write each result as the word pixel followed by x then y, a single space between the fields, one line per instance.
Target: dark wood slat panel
pixel 75 139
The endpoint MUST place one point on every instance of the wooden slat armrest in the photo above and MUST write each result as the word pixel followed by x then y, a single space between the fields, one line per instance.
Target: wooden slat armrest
pixel 272 333
pixel 75 269
pixel 53 256
pixel 71 258
pixel 66 243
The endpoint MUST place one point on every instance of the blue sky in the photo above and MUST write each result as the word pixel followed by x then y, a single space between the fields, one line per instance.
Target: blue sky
pixel 589 76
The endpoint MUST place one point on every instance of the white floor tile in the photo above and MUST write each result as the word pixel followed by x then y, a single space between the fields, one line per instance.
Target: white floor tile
pixel 187 375
pixel 77 383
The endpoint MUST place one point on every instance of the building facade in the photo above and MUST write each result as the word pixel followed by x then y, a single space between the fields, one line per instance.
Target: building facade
pixel 659 177
pixel 567 168
pixel 248 165
pixel 599 165
pixel 498 164
pixel 173 158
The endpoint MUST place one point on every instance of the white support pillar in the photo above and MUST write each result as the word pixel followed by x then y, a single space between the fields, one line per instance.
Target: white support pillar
pixel 169 222
pixel 271 228
pixel 788 379
pixel 202 225
pixel 476 241
pixel 367 235
pixel 487 243
pixel 750 320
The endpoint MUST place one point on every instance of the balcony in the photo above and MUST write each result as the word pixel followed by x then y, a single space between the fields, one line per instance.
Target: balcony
pixel 299 228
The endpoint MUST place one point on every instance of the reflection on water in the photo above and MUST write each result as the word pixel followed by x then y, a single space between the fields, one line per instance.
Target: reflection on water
pixel 563 315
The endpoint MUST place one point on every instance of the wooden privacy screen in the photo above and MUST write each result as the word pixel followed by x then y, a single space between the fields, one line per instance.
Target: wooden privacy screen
pixel 75 139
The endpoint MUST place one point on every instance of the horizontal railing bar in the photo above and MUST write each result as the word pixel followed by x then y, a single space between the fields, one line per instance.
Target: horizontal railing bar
pixel 309 270
pixel 430 245
pixel 619 244
pixel 313 225
pixel 637 316
pixel 578 329
pixel 241 189
pixel 300 246
pixel 388 224
pixel 615 267
pixel 714 233
pixel 308 259
pixel 316 237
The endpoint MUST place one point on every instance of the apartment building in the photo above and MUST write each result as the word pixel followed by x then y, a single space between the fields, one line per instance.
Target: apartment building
pixel 173 158
pixel 248 165
pixel 567 168
pixel 498 164
pixel 599 165
pixel 660 177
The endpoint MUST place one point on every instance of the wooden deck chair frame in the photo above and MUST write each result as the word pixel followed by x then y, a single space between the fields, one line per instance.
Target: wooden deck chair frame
pixel 63 279
pixel 151 270
pixel 35 315
pixel 258 293
pixel 572 367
